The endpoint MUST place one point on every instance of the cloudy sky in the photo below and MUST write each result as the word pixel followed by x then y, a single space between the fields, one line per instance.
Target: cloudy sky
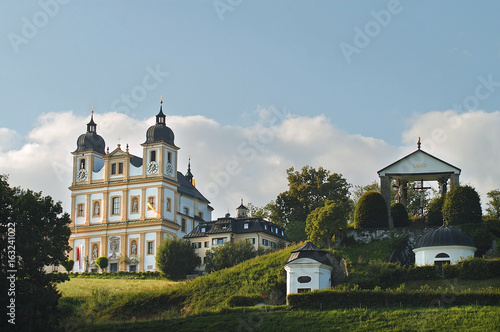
pixel 252 87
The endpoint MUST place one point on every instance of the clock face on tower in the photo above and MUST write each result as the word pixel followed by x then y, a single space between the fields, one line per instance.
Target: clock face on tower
pixel 81 175
pixel 152 167
pixel 170 169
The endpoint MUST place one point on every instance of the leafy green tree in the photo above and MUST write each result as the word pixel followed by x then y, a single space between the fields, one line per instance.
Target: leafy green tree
pixel 399 215
pixel 307 190
pixel 494 204
pixel 358 191
pixel 102 262
pixel 435 212
pixel 259 212
pixel 229 254
pixel 371 211
pixel 38 229
pixel 68 265
pixel 176 258
pixel 326 223
pixel 462 205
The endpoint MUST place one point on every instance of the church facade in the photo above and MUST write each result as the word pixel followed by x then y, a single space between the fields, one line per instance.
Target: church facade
pixel 123 206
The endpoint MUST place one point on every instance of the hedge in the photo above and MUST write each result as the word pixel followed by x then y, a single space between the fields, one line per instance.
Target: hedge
pixel 425 297
pixel 244 300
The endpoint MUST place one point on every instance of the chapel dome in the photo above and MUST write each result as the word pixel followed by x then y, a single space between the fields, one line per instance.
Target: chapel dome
pixel 160 132
pixel 309 250
pixel 444 236
pixel 90 141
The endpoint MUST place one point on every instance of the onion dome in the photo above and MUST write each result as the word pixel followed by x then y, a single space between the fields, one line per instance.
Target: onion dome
pixel 160 132
pixel 90 141
pixel 309 250
pixel 444 236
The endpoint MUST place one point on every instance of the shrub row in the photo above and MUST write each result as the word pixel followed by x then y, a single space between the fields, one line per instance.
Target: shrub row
pixel 119 274
pixel 425 297
pixel 385 274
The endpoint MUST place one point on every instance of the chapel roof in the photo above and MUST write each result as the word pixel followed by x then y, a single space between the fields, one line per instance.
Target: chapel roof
pixel 309 250
pixel 444 236
pixel 90 141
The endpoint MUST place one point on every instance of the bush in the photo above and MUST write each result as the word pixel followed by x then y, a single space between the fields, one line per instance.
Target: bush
pixel 399 215
pixel 462 206
pixel 481 235
pixel 176 258
pixel 371 211
pixel 435 212
pixel 102 262
pixel 476 268
pixel 68 265
pixel 229 254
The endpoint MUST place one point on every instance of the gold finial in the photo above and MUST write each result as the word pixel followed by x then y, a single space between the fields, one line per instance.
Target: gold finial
pixel 161 99
pixel 92 108
pixel 418 143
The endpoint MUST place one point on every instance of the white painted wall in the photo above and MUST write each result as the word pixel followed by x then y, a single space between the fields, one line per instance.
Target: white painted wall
pixel 426 255
pixel 134 171
pixel 94 197
pixel 80 199
pixel 149 260
pixel 320 275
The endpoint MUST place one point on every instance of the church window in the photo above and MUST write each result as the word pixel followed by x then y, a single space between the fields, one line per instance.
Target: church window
pixel 113 267
pixel 116 205
pixel 169 204
pixel 80 210
pixel 200 214
pixel 186 211
pixel 152 156
pixel 304 279
pixel 82 163
pixel 120 168
pixel 169 157
pixel 133 268
pixel 135 205
pixel 113 169
pixel 151 247
pixel 183 225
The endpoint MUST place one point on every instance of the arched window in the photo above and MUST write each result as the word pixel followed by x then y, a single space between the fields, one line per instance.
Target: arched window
pixel 153 156
pixel 442 255
pixel 82 163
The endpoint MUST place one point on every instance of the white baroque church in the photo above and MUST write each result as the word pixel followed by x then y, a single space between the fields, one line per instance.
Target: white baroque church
pixel 123 206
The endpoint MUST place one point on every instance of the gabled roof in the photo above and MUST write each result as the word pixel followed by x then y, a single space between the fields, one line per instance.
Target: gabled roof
pixel 419 165
pixel 187 188
pixel 309 250
pixel 237 226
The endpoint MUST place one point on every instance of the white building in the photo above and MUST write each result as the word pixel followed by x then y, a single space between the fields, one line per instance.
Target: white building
pixel 443 245
pixel 308 268
pixel 259 232
pixel 123 206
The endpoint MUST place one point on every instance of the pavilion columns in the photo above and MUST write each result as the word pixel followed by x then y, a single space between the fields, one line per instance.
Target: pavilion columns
pixel 385 188
pixel 454 180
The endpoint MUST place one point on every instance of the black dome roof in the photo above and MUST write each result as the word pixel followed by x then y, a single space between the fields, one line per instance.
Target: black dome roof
pixel 444 236
pixel 90 141
pixel 160 132
pixel 309 250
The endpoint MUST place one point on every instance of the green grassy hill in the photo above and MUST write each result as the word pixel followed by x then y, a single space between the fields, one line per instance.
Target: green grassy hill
pixel 261 279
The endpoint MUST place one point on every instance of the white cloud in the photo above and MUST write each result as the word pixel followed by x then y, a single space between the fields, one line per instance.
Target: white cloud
pixel 250 162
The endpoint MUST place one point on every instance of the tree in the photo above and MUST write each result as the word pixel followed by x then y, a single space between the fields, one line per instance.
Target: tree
pixel 38 229
pixel 494 203
pixel 308 190
pixel 68 265
pixel 176 258
pixel 229 254
pixel 102 262
pixel 325 223
pixel 259 212
pixel 435 212
pixel 462 206
pixel 399 215
pixel 371 211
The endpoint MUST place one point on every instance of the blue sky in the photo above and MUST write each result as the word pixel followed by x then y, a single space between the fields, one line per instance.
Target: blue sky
pixel 225 60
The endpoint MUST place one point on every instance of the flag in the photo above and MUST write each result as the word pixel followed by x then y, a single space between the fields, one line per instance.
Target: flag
pixel 152 208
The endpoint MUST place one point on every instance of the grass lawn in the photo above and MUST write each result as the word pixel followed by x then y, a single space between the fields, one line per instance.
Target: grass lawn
pixel 83 287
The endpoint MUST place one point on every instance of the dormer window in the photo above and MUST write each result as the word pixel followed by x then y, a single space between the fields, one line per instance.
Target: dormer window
pixel 245 225
pixel 203 229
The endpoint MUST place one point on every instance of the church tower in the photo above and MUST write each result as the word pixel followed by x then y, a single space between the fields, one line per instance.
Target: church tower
pixel 123 206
